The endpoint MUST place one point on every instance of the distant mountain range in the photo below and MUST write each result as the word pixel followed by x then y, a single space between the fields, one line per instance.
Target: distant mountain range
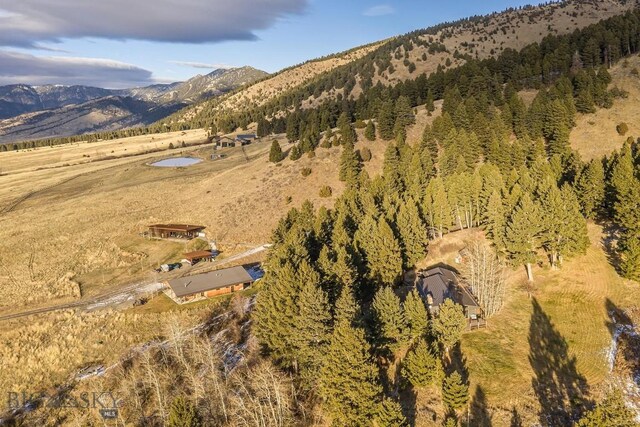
pixel 33 112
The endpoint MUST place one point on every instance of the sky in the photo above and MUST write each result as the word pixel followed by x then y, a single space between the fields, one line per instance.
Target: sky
pixel 129 43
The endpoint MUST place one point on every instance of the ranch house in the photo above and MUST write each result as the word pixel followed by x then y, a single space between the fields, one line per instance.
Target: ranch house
pixel 202 286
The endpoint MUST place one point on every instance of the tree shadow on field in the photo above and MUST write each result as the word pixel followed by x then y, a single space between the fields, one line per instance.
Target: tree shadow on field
pixel 516 419
pixel 561 390
pixel 610 238
pixel 458 363
pixel 479 413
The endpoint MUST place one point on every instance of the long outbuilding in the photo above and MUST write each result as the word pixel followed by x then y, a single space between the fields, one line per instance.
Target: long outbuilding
pixel 175 231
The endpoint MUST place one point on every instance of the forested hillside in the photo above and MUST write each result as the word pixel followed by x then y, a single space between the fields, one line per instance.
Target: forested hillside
pixel 337 333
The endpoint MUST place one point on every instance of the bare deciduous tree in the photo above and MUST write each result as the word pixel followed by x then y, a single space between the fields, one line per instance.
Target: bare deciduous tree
pixel 485 274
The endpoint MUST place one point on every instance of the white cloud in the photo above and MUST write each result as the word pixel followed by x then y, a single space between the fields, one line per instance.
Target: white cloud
pixel 202 65
pixel 24 23
pixel 39 70
pixel 379 10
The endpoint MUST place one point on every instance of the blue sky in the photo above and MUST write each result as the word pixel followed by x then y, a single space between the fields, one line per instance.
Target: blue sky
pixel 120 43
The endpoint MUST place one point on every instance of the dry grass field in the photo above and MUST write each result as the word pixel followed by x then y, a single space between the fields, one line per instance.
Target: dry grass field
pixel 595 135
pixel 79 229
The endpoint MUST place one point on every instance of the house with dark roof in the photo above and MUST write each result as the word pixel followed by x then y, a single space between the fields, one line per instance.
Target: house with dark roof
pixel 201 286
pixel 246 138
pixel 439 284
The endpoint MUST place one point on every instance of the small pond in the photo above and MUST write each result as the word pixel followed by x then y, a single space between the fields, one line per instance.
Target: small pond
pixel 175 162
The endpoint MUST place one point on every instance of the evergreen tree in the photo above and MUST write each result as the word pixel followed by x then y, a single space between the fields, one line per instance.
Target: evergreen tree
pixel 421 367
pixel 349 165
pixel 183 414
pixel 413 233
pixel 390 414
pixel 347 132
pixel 293 127
pixel 416 315
pixel 429 102
pixel 403 113
pixel 590 189
pixel 386 121
pixel 349 381
pixel 391 323
pixel 564 230
pixel 449 324
pixel 522 233
pixel 276 313
pixel 296 153
pixel 370 131
pixel 382 250
pixel 556 128
pixel 313 327
pixel 611 412
pixel 436 207
pixel 455 393
pixel 391 170
pixel 494 216
pixel 629 247
pixel 626 188
pixel 275 155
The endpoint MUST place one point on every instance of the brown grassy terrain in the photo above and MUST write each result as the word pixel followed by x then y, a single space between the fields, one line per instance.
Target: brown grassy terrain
pixel 83 224
pixel 595 135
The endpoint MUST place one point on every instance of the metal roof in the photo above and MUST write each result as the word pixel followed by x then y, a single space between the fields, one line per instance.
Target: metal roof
pixel 442 283
pixel 178 227
pixel 217 279
pixel 197 254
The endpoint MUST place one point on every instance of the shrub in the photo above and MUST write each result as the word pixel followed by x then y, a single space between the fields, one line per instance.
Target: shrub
pixel 622 129
pixel 288 199
pixel 305 171
pixel 311 154
pixel 365 154
pixel 326 191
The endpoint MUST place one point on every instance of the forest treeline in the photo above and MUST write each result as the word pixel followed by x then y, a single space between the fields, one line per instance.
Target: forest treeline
pixel 329 312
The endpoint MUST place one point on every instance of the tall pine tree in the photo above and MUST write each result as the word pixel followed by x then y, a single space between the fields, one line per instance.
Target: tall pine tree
pixel 350 385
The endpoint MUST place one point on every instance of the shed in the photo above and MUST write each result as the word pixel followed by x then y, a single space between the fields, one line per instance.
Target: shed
pixel 207 285
pixel 197 256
